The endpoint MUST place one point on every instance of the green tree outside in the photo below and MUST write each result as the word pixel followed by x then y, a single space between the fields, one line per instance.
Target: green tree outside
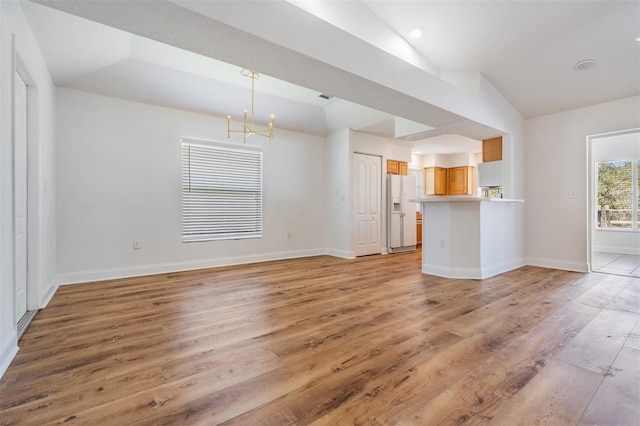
pixel 615 190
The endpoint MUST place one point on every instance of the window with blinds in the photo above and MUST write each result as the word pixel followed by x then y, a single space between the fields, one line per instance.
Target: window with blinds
pixel 221 191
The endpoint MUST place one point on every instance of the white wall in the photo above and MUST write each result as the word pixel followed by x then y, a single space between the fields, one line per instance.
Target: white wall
pixel 607 148
pixel 556 163
pixel 338 194
pixel 19 49
pixel 417 162
pixel 449 160
pixel 119 174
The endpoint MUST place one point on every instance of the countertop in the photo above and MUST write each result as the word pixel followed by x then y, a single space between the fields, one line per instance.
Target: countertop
pixel 463 198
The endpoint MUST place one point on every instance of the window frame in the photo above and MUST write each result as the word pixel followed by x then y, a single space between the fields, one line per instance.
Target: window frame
pixel 635 194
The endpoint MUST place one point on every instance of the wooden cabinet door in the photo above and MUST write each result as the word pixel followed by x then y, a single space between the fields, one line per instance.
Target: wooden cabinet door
pixel 393 167
pixel 492 149
pixel 429 181
pixel 440 181
pixel 458 181
pixel 435 181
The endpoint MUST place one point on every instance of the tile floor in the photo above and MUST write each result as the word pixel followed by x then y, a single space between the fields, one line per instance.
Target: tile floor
pixel 616 263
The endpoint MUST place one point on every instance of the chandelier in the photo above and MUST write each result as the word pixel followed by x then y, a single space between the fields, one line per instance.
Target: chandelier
pixel 249 127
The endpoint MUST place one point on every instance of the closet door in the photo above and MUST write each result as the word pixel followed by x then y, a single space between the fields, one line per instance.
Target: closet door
pixel 368 187
pixel 20 196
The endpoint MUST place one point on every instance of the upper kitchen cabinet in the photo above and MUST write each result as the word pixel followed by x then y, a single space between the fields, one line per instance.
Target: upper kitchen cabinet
pixel 492 149
pixel 460 181
pixel 395 167
pixel 435 181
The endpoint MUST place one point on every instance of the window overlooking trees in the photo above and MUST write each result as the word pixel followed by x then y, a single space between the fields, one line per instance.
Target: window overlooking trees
pixel 618 192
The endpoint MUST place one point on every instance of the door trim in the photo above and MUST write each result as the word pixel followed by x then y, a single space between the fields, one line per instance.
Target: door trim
pixel 591 185
pixel 33 200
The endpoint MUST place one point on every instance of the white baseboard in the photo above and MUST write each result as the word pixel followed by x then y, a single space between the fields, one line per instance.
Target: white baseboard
pixel 473 273
pixel 162 268
pixel 8 350
pixel 444 272
pixel 344 254
pixel 46 298
pixel 558 264
pixel 501 268
pixel 614 249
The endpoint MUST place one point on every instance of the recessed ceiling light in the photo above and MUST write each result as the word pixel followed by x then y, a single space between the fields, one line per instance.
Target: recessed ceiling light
pixel 585 64
pixel 638 39
pixel 416 33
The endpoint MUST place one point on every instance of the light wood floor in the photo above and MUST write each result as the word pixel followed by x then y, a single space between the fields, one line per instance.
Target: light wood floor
pixel 327 341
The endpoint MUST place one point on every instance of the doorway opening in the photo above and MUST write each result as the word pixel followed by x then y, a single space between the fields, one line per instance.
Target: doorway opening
pixel 614 198
pixel 23 313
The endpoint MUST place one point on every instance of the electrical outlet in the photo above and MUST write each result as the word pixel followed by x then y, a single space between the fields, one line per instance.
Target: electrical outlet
pixel 137 244
pixel 442 245
pixel 571 195
pixel 289 234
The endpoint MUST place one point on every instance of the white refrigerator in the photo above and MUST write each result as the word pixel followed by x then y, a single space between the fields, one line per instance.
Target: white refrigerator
pixel 401 214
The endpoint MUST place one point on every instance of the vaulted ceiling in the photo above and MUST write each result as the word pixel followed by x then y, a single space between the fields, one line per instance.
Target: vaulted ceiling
pixel 189 54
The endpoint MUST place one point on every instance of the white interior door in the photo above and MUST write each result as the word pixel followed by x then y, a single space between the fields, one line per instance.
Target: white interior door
pixel 20 195
pixel 367 203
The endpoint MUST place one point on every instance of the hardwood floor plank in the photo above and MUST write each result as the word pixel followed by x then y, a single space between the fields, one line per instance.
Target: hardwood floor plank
pixel 617 401
pixel 598 344
pixel 322 341
pixel 634 338
pixel 387 400
pixel 628 299
pixel 513 367
pixel 392 363
pixel 602 289
pixel 477 394
pixel 557 395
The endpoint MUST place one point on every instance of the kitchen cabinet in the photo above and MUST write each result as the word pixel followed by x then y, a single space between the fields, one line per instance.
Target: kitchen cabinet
pixel 492 149
pixel 460 181
pixel 435 181
pixel 396 167
pixel 393 167
pixel 418 228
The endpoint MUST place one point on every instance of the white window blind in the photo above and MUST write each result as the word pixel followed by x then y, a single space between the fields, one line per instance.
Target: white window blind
pixel 221 191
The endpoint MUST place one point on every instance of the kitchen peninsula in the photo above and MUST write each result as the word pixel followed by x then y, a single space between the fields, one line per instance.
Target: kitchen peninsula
pixel 470 237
